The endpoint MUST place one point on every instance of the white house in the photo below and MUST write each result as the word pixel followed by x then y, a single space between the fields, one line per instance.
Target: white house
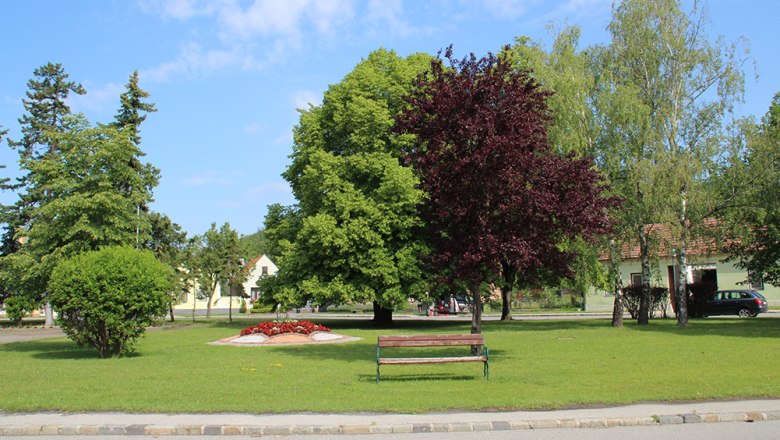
pixel 256 268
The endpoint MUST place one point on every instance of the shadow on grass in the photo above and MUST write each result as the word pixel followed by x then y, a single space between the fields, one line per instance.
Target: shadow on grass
pixel 726 326
pixel 438 377
pixel 51 350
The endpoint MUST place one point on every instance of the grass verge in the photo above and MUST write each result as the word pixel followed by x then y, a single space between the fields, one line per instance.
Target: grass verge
pixel 534 365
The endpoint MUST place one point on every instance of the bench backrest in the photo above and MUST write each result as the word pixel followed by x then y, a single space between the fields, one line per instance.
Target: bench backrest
pixel 430 340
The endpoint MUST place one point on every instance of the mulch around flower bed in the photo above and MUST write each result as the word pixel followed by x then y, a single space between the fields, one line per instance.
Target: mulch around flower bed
pixel 259 340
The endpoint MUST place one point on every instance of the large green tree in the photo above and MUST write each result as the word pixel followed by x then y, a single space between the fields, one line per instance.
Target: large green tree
pixel 750 184
pixel 83 210
pixel 686 85
pixel 351 237
pixel 575 127
pixel 82 187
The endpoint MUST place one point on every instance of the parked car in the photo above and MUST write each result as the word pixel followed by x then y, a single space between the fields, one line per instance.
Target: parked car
pixel 744 303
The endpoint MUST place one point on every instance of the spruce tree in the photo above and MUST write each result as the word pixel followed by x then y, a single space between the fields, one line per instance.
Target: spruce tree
pixel 132 109
pixel 46 108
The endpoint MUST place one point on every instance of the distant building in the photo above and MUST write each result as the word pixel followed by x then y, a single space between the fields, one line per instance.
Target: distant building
pixel 255 269
pixel 705 263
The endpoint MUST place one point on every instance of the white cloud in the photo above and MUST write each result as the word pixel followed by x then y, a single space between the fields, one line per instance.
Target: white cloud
pixel 251 36
pixel 97 99
pixel 253 128
pixel 383 16
pixel 573 11
pixel 301 99
pixel 508 9
pixel 283 19
pixel 194 60
pixel 272 188
pixel 181 9
pixel 209 178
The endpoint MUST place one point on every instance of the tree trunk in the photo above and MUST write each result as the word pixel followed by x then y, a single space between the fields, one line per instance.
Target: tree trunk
pixel 682 263
pixel 170 311
pixel 211 297
pixel 509 274
pixel 49 314
pixel 644 257
pixel 382 315
pixel 476 316
pixel 230 303
pixel 617 285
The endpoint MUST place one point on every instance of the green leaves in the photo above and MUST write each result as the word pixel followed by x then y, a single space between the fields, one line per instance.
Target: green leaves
pixel 106 298
pixel 352 237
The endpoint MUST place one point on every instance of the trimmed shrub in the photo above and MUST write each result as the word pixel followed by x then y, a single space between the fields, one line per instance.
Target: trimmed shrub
pixel 633 294
pixel 106 298
pixel 17 307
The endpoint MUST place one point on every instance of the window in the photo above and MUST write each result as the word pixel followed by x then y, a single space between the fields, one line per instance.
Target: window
pixel 254 293
pixel 265 270
pixel 755 281
pixel 636 279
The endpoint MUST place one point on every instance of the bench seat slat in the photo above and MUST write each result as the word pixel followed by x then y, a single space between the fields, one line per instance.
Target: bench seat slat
pixel 430 340
pixel 430 360
pixel 402 341
pixel 431 343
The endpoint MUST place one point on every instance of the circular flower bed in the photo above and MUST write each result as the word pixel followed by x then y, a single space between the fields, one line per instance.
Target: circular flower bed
pixel 273 328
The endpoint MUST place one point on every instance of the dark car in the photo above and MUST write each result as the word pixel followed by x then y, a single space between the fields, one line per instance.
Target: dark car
pixel 744 303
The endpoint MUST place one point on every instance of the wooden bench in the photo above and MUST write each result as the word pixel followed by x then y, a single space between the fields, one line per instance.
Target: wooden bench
pixel 476 340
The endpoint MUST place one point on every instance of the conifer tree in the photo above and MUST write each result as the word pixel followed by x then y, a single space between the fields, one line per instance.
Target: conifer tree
pixel 133 109
pixel 47 110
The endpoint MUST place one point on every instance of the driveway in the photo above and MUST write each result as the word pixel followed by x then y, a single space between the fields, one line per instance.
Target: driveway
pixel 8 336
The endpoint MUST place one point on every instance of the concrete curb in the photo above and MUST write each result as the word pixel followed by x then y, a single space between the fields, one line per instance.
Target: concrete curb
pixel 389 428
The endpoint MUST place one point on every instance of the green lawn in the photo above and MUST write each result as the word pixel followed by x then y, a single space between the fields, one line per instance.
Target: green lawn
pixel 534 365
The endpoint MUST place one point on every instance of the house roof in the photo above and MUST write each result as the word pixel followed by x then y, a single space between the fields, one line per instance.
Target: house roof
pixel 251 264
pixel 707 243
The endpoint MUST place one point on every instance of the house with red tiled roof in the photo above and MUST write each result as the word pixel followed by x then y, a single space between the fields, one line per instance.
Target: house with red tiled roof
pixel 706 262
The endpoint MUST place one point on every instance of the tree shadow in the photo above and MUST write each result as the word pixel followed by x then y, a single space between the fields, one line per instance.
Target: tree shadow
pixel 51 350
pixel 720 326
pixel 437 377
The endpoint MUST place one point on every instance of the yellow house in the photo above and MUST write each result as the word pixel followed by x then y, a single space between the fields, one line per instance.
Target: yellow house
pixel 220 302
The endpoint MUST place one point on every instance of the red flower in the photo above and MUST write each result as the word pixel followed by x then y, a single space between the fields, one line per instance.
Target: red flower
pixel 271 328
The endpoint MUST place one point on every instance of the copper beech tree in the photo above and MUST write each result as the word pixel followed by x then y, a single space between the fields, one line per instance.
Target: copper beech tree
pixel 501 204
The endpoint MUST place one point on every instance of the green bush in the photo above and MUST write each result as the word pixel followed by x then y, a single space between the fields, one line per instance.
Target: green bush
pixel 106 298
pixel 17 307
pixel 632 295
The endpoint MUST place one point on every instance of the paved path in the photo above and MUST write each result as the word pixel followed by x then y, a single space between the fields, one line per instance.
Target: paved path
pixel 302 424
pixel 8 336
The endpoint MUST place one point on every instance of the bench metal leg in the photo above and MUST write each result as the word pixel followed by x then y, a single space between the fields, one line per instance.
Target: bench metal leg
pixel 486 369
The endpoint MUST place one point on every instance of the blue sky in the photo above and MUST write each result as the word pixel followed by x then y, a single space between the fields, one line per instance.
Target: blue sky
pixel 227 75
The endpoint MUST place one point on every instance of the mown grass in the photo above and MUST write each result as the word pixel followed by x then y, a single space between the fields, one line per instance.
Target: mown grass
pixel 534 365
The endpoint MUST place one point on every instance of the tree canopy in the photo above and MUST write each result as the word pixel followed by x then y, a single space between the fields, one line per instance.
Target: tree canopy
pixel 499 198
pixel 351 236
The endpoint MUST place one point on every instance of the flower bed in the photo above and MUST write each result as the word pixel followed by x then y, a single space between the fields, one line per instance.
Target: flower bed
pixel 272 328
